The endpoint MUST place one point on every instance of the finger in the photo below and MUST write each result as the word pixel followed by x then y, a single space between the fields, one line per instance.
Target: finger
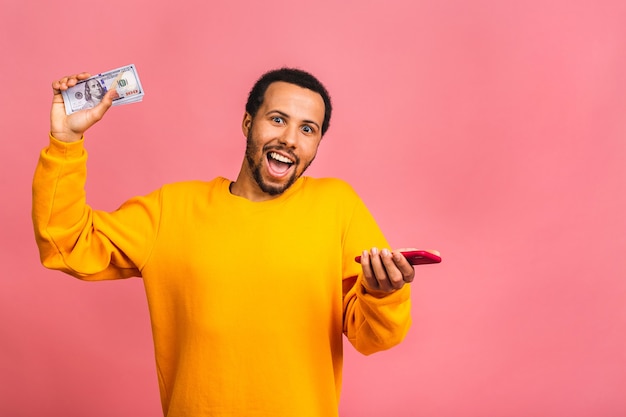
pixel 404 267
pixel 368 275
pixel 96 113
pixel 370 263
pixel 61 85
pixel 394 275
pixel 56 86
pixel 68 81
pixel 107 99
pixel 380 273
pixel 73 79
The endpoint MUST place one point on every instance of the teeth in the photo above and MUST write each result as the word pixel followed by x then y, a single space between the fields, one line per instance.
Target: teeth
pixel 280 158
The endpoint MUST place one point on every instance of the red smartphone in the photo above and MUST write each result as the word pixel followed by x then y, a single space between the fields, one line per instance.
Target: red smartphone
pixel 416 257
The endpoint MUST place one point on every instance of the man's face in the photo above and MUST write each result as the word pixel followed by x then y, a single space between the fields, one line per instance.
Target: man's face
pixel 95 89
pixel 283 137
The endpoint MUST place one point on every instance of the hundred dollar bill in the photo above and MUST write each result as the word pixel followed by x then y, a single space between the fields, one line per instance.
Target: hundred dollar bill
pixel 88 93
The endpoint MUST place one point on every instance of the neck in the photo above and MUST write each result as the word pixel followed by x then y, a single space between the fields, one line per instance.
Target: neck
pixel 246 187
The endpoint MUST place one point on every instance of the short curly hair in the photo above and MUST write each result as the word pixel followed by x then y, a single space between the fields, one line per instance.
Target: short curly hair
pixel 292 76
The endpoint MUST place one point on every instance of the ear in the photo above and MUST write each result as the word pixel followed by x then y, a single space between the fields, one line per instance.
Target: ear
pixel 246 124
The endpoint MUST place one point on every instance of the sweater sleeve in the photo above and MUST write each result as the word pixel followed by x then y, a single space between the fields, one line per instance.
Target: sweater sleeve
pixel 71 236
pixel 371 324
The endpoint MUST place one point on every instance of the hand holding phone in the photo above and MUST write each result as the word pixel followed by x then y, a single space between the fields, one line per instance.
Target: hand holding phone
pixel 416 257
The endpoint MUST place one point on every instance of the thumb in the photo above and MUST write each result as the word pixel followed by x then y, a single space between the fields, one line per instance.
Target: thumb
pixel 108 98
pixel 98 111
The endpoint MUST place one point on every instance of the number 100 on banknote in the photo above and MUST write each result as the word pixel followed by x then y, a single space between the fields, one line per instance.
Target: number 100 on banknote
pixel 88 93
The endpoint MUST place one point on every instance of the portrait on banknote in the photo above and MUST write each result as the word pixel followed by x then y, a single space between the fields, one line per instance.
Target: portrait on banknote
pixel 94 91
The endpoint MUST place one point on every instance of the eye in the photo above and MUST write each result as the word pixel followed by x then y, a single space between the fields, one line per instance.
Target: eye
pixel 277 119
pixel 307 129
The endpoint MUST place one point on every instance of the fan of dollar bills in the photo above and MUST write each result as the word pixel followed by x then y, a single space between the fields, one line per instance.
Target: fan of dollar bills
pixel 88 93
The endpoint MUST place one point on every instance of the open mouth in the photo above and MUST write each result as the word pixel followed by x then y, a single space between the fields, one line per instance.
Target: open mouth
pixel 279 164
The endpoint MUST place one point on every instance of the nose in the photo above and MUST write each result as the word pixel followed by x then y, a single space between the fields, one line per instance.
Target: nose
pixel 290 136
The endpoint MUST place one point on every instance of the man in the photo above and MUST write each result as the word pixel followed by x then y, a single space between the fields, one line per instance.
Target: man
pixel 250 283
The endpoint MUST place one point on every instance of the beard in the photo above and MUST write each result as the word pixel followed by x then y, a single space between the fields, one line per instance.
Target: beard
pixel 255 166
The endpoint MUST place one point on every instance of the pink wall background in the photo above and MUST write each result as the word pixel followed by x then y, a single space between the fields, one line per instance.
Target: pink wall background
pixel 494 131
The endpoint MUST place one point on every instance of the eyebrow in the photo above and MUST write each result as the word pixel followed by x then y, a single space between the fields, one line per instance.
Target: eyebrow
pixel 286 116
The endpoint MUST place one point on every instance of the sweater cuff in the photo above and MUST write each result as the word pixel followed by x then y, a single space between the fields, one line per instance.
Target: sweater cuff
pixel 396 297
pixel 66 150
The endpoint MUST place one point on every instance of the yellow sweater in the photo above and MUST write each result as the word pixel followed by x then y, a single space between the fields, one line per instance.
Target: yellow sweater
pixel 248 300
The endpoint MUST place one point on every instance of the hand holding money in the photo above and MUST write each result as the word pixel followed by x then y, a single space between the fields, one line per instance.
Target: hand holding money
pixel 87 93
pixel 70 128
pixel 67 123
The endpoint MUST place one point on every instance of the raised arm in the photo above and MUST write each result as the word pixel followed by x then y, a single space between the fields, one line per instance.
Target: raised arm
pixel 71 236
